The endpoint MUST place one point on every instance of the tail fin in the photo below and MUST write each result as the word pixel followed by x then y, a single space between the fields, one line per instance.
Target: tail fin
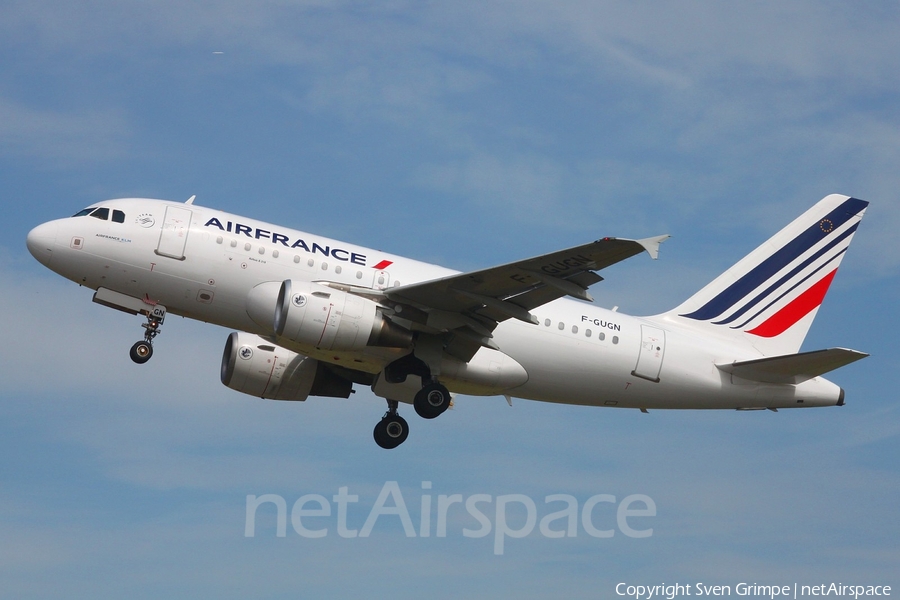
pixel 771 296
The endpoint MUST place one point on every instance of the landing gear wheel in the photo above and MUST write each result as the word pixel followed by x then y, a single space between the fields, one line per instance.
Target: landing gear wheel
pixel 141 352
pixel 432 400
pixel 391 431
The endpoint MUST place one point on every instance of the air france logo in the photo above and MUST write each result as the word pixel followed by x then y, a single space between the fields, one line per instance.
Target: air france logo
pixel 288 241
pixel 299 300
pixel 146 220
pixel 246 352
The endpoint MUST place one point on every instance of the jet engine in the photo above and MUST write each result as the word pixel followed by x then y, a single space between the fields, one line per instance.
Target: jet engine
pixel 329 319
pixel 254 366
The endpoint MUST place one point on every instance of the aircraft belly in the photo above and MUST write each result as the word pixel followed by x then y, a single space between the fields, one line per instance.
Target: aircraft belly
pixel 488 373
pixel 565 369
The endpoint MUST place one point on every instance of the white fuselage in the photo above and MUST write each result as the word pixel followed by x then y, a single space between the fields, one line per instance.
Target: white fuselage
pixel 578 353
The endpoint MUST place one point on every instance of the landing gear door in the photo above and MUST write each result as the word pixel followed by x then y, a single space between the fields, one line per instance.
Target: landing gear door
pixel 174 232
pixel 158 313
pixel 653 347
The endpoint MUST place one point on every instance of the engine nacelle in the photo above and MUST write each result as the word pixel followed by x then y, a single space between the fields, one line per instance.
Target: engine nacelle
pixel 329 319
pixel 254 366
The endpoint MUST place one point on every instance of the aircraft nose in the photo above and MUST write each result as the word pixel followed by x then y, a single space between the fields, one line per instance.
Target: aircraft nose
pixel 41 241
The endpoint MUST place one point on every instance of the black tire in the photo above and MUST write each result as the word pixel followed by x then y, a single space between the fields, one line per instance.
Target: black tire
pixel 391 431
pixel 141 352
pixel 431 401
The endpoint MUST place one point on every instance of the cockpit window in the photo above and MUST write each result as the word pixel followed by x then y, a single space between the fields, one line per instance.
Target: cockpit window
pixel 102 213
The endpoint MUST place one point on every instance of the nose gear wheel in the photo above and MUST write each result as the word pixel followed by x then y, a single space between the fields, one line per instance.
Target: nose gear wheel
pixel 142 350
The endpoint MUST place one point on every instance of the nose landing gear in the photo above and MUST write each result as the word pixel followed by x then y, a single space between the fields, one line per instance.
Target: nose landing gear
pixel 142 350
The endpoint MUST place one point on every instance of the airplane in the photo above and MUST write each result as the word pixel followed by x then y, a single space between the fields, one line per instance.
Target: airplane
pixel 316 316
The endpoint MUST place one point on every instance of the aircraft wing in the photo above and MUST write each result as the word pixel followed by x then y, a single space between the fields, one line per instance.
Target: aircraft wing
pixel 472 304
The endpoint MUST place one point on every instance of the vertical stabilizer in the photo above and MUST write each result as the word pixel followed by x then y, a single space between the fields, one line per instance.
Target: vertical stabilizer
pixel 771 296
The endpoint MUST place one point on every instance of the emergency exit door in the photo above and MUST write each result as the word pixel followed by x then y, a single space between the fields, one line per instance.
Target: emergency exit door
pixel 650 357
pixel 174 232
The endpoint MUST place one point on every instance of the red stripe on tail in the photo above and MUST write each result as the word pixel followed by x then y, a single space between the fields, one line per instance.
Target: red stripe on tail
pixel 795 310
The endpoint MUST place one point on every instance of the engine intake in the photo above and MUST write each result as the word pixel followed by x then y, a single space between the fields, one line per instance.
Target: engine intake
pixel 329 319
pixel 252 365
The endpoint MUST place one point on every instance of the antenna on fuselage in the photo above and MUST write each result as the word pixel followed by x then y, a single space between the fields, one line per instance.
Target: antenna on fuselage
pixel 191 199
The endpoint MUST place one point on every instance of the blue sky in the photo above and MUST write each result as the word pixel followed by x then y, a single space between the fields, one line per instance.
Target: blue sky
pixel 466 135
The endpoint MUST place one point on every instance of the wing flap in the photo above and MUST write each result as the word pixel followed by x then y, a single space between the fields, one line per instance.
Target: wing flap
pixel 793 368
pixel 563 273
pixel 465 308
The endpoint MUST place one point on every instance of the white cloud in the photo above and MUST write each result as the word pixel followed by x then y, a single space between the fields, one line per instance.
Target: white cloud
pixel 524 187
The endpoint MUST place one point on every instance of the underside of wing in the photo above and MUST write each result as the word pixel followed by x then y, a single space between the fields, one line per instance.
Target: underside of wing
pixel 472 304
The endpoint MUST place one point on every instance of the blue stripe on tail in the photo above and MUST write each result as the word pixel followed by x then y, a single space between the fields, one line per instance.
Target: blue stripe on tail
pixel 759 298
pixel 779 260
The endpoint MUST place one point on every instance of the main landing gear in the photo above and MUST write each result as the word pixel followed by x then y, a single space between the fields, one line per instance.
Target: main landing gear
pixel 392 430
pixel 142 351
pixel 430 401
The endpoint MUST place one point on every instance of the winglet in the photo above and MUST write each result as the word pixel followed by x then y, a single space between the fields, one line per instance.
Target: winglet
pixel 651 244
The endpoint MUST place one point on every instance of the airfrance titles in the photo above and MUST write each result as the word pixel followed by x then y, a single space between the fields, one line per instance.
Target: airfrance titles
pixel 288 241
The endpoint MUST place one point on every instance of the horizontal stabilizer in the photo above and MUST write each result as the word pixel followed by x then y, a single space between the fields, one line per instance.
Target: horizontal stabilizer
pixel 793 368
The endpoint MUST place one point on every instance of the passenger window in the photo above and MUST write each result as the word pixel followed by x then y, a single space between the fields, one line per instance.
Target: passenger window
pixel 615 339
pixel 587 333
pixel 574 328
pixel 546 322
pixel 118 216
pixel 562 325
pixel 101 213
pixel 601 336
